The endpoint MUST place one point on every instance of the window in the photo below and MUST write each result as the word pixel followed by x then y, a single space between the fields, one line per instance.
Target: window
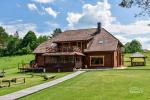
pixel 97 60
pixel 101 42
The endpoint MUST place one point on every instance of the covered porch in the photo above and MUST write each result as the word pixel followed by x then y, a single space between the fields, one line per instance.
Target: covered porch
pixel 63 61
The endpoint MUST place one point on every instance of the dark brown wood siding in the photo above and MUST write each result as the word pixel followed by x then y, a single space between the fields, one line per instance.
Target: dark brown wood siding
pixel 39 59
pixel 108 59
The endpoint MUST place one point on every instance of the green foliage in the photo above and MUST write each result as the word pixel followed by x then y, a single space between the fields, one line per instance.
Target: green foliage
pixel 42 39
pixel 13 45
pixel 29 39
pixel 56 32
pixel 144 5
pixel 133 46
pixel 3 36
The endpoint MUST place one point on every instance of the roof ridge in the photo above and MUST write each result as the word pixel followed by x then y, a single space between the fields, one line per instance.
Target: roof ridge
pixel 79 29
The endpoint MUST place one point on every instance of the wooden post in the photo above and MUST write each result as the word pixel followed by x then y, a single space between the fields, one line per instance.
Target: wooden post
pixel 9 82
pixel 81 47
pixel 131 62
pixel 24 80
pixel 74 61
pixel 144 61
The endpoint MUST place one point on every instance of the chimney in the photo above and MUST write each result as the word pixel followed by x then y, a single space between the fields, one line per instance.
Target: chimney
pixel 98 27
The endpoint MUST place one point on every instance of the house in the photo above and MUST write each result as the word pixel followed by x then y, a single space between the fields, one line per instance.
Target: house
pixel 82 48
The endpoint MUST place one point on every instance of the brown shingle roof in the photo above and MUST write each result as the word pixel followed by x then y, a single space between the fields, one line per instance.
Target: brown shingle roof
pixel 43 46
pixel 103 41
pixel 64 54
pixel 75 35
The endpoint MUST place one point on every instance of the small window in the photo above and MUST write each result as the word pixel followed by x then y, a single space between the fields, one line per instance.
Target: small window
pixel 97 60
pixel 101 42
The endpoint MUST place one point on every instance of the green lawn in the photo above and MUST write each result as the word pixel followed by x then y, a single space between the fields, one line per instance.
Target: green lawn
pixel 100 85
pixel 12 61
pixel 97 85
pixel 30 81
pixel 10 64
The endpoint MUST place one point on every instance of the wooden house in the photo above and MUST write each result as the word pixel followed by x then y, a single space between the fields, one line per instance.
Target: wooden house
pixel 82 48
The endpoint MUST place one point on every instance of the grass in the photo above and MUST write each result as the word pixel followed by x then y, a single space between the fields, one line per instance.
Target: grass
pixel 10 64
pixel 30 81
pixel 12 61
pixel 100 85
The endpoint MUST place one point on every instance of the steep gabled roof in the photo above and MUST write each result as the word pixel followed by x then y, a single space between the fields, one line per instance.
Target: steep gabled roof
pixel 75 35
pixel 104 41
pixel 43 46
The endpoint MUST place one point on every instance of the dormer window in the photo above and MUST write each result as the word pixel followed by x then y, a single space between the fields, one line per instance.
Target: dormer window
pixel 101 42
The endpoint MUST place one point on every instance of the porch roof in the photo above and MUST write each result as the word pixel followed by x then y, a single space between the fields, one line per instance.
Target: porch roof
pixel 64 54
pixel 137 55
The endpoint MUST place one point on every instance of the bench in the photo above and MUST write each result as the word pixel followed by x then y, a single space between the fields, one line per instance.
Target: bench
pixel 47 77
pixel 13 80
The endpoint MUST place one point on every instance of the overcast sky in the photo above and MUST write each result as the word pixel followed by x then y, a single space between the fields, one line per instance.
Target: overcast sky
pixel 43 16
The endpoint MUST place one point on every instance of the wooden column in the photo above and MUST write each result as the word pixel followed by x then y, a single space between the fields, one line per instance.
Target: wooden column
pixel 144 61
pixel 131 61
pixel 81 47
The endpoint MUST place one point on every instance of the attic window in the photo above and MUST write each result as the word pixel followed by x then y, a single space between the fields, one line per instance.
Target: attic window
pixel 101 42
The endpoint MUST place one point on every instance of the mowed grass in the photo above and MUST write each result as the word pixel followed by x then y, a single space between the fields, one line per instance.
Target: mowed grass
pixel 10 64
pixel 100 85
pixel 30 81
pixel 12 61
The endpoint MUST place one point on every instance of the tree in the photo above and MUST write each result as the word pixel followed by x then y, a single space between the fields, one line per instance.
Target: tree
pixel 127 47
pixel 41 39
pixel 133 46
pixel 143 4
pixel 30 38
pixel 3 37
pixel 56 32
pixel 13 45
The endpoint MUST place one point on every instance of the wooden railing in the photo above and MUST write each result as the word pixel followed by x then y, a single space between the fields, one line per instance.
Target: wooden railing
pixel 64 49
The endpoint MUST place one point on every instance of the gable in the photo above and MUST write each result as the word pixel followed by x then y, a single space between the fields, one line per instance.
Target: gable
pixel 103 41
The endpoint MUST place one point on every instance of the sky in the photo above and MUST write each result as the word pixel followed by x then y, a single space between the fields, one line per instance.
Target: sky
pixel 43 16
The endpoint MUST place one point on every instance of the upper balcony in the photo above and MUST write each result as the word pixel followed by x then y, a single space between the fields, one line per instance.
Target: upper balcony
pixel 65 49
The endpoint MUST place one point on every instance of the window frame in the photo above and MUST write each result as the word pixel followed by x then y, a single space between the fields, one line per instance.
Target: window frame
pixel 96 57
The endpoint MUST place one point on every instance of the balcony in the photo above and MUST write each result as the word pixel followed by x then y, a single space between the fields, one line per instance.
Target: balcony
pixel 64 49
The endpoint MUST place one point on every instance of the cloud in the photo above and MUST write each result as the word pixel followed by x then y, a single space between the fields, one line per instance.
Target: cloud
pixel 51 12
pixel 91 14
pixel 73 18
pixel 52 25
pixel 21 27
pixel 137 28
pixel 32 6
pixel 44 1
pixel 101 12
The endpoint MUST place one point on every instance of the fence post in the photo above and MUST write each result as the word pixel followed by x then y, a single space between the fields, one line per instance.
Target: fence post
pixel 9 82
pixel 24 80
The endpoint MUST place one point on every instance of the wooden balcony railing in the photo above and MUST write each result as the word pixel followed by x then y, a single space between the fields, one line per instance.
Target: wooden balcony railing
pixel 71 49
